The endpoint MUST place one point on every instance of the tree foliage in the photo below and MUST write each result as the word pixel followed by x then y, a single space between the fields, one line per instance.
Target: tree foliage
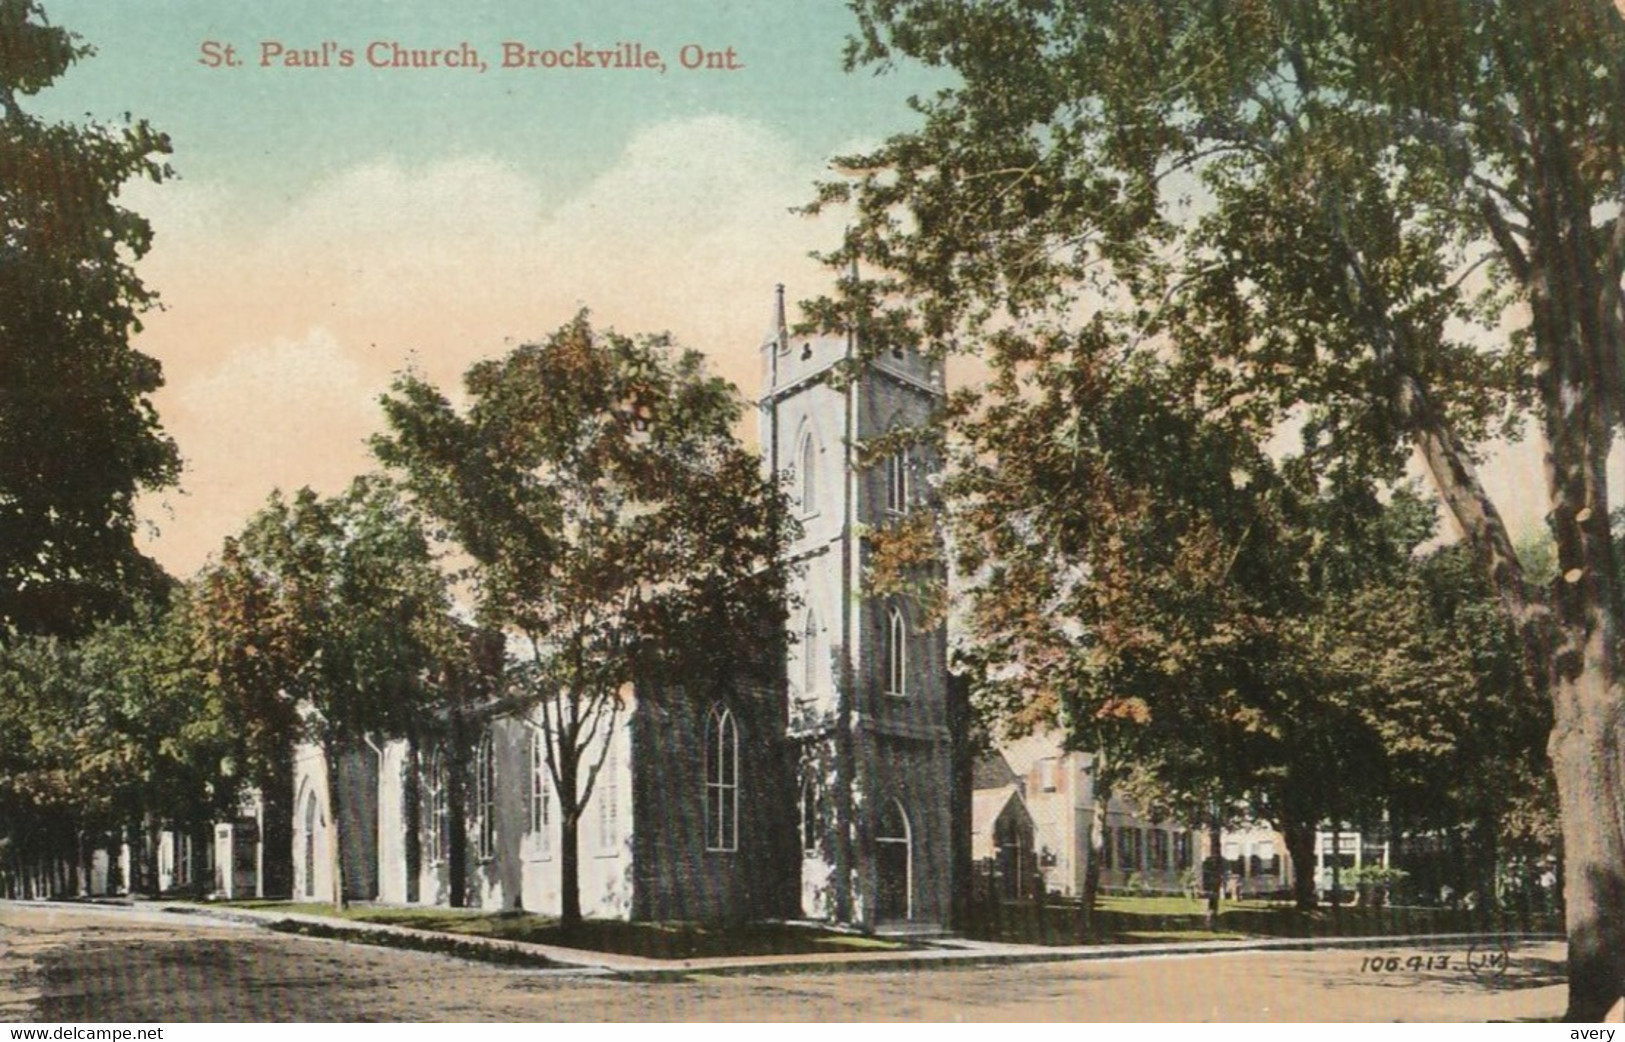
pixel 1398 228
pixel 615 525
pixel 114 730
pixel 328 620
pixel 81 436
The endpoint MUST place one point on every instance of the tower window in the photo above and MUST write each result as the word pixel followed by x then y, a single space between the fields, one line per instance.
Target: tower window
pixel 809 655
pixel 808 462
pixel 811 827
pixel 721 781
pixel 897 467
pixel 896 654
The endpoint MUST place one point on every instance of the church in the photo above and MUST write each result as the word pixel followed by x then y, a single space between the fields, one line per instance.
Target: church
pixel 833 795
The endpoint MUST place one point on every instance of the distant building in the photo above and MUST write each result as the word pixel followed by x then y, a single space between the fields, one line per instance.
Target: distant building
pixel 1057 791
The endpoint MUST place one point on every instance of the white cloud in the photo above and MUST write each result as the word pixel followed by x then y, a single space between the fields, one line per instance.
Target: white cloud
pixel 278 336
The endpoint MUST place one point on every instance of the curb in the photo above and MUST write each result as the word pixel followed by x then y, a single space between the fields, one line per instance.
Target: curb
pixel 944 955
pixel 957 954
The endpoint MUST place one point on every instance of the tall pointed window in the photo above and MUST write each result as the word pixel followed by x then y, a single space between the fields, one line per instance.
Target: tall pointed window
pixel 811 655
pixel 541 794
pixel 485 787
pixel 897 468
pixel 439 806
pixel 896 654
pixel 721 781
pixel 310 845
pixel 807 463
pixel 811 827
pixel 608 796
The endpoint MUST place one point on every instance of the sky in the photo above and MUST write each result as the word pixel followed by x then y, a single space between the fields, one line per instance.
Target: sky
pixel 331 224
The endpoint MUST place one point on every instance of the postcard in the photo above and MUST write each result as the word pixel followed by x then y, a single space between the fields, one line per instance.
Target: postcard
pixel 355 202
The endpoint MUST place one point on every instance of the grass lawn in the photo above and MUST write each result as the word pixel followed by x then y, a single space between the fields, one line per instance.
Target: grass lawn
pixel 1141 920
pixel 651 940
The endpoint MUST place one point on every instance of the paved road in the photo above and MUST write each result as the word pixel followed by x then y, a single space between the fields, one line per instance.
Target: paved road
pixel 80 965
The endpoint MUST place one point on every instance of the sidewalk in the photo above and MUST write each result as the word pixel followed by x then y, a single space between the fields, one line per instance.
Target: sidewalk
pixel 942 953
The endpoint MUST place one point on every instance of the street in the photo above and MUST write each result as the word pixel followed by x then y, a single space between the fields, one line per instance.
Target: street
pixel 115 965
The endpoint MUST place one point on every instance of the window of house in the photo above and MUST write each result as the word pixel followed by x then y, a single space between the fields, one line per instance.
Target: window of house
pixel 1046 774
pixel 721 781
pixel 1128 848
pixel 485 788
pixel 1159 849
pixel 541 794
pixel 896 654
pixel 897 468
pixel 609 801
pixel 810 655
pixel 1182 850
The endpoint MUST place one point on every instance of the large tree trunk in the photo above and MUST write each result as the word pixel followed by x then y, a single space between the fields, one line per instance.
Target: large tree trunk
pixel 149 856
pixel 1215 850
pixel 1571 642
pixel 1300 849
pixel 1585 751
pixel 335 831
pixel 1089 900
pixel 457 818
pixel 1585 668
pixel 569 872
pixel 570 804
pixel 412 815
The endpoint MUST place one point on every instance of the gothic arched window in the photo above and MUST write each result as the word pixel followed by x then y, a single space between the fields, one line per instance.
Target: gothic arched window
pixel 485 787
pixel 721 781
pixel 541 794
pixel 807 463
pixel 310 845
pixel 810 655
pixel 439 816
pixel 897 467
pixel 811 827
pixel 609 800
pixel 896 653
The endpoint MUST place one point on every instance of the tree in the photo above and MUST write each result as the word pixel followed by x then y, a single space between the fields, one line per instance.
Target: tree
pixel 113 729
pixel 328 621
pixel 1124 564
pixel 615 525
pixel 81 436
pixel 1307 197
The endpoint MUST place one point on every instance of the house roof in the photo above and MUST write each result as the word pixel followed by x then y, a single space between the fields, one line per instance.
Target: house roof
pixel 992 772
pixel 1023 753
pixel 988 807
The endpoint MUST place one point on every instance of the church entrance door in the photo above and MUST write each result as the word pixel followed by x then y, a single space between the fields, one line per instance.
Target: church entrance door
pixel 894 850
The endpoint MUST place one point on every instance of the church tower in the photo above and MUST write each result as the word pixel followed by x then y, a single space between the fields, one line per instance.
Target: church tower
pixel 866 675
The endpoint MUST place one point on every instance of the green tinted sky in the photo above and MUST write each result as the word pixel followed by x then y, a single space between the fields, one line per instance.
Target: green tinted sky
pixel 278 129
pixel 330 226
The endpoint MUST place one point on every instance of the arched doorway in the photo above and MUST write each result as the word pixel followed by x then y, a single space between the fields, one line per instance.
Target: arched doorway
pixel 894 861
pixel 310 844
